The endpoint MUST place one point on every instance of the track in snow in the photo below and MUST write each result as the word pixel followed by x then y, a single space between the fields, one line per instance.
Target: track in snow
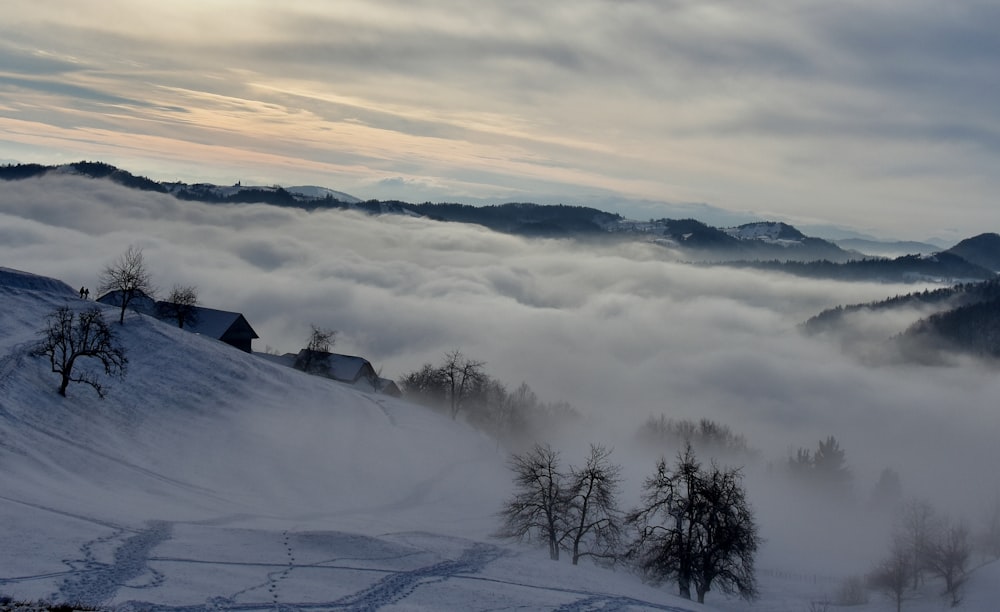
pixel 129 568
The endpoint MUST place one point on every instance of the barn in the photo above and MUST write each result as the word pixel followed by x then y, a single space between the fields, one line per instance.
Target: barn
pixel 229 327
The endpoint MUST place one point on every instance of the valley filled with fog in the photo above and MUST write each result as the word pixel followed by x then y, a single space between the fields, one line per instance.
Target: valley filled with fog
pixel 622 331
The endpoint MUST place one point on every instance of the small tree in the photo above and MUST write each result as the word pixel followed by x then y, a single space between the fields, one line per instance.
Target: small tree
pixel 180 306
pixel 69 336
pixel 826 467
pixel 537 510
pixel 461 376
pixel 892 575
pixel 316 358
pixel 128 276
pixel 696 527
pixel 594 520
pixel 917 527
pixel 426 385
pixel 321 339
pixel 948 558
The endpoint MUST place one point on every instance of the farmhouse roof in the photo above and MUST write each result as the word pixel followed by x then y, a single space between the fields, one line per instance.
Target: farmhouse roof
pixel 219 323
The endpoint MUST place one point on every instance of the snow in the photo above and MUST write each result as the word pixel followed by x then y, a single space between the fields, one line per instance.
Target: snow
pixel 765 231
pixel 319 193
pixel 214 479
pixel 210 478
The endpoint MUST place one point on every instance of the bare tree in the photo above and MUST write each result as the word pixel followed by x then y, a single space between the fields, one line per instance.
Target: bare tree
pixel 69 336
pixel 316 357
pixel 594 521
pixel 948 558
pixel 537 510
pixel 321 339
pixel 917 526
pixel 696 526
pixel 892 575
pixel 128 277
pixel 461 375
pixel 180 306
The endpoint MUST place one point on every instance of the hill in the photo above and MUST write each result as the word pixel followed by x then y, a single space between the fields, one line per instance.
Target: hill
pixel 755 240
pixel 938 267
pixel 964 318
pixel 211 478
pixel 972 329
pixel 982 250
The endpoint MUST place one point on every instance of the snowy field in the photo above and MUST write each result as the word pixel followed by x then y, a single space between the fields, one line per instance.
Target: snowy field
pixel 214 479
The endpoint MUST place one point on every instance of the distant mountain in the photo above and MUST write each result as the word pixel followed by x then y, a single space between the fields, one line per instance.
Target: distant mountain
pixel 761 240
pixel 941 300
pixel 97 170
pixel 321 193
pixel 939 267
pixel 982 250
pixel 762 244
pixel 971 329
pixel 879 248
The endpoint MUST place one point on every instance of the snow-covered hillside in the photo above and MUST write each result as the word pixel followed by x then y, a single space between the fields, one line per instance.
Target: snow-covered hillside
pixel 766 231
pixel 213 479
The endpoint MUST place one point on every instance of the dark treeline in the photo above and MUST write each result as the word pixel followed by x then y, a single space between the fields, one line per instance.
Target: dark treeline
pixel 904 269
pixel 967 320
pixel 461 386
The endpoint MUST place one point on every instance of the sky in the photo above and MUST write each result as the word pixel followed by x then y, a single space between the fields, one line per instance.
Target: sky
pixel 878 116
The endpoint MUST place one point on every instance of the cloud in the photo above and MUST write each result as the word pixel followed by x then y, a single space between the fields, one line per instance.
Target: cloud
pixel 622 331
pixel 865 114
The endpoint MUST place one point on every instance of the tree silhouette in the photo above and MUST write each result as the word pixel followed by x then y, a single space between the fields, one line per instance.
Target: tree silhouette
pixel 180 306
pixel 69 337
pixel 537 510
pixel 594 522
pixel 128 277
pixel 695 526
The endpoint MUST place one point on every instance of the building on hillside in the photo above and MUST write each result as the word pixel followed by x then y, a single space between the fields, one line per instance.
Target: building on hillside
pixel 140 302
pixel 229 327
pixel 349 369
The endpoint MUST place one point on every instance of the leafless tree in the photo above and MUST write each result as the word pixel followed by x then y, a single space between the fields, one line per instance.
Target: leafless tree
pixel 461 375
pixel 537 510
pixel 917 526
pixel 696 526
pixel 70 336
pixel 594 521
pixel 316 358
pixel 892 575
pixel 948 558
pixel 180 306
pixel 128 277
pixel 321 339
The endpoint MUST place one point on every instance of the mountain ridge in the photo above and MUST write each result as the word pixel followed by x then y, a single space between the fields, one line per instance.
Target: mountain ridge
pixel 773 245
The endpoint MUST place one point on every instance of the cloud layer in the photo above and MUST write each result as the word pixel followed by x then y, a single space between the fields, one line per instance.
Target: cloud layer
pixel 871 114
pixel 623 332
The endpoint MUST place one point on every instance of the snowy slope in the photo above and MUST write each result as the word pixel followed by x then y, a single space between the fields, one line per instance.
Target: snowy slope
pixel 312 191
pixel 210 478
pixel 766 231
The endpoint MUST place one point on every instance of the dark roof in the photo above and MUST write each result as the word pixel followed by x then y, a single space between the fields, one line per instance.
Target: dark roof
pixel 140 302
pixel 346 368
pixel 219 324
